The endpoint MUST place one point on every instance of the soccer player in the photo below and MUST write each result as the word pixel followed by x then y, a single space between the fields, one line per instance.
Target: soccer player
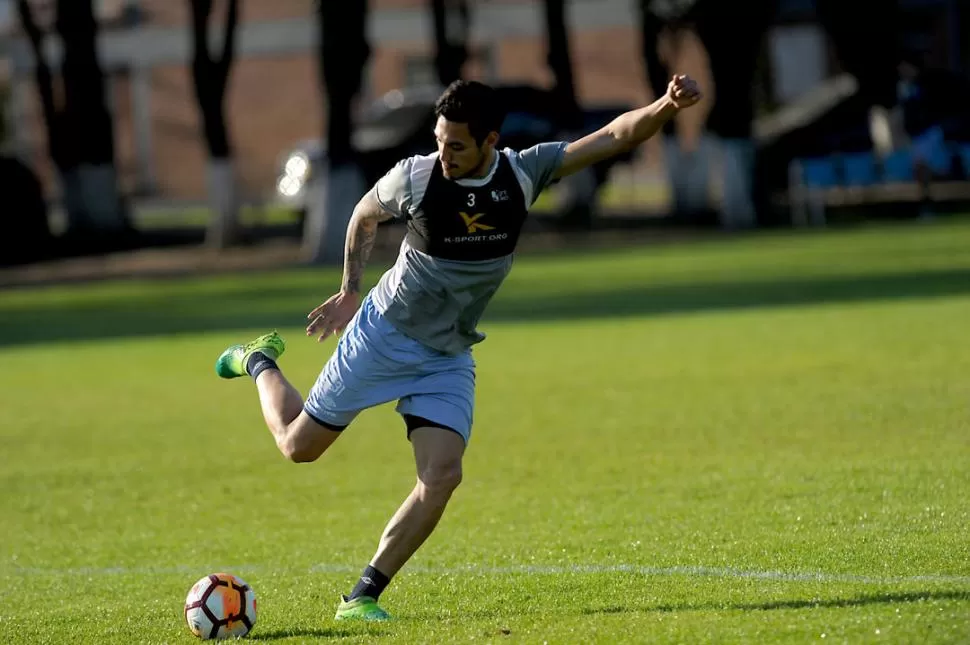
pixel 409 339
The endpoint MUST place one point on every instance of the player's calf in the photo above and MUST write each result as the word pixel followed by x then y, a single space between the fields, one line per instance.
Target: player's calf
pixel 299 436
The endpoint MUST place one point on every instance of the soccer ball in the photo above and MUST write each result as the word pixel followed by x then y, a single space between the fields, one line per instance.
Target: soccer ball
pixel 220 605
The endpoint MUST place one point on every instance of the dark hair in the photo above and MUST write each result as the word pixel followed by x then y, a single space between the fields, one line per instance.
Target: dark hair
pixel 473 103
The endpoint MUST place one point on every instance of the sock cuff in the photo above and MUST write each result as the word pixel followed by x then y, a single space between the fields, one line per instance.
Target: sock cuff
pixel 371 583
pixel 375 575
pixel 258 363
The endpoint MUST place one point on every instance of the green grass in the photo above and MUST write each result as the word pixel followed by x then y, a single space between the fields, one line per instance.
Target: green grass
pixel 760 440
pixel 199 217
pixel 615 195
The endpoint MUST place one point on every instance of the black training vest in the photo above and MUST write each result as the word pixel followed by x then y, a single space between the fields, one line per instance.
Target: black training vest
pixel 458 222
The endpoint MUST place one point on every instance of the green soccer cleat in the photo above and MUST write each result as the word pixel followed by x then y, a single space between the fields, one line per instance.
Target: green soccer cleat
pixel 232 362
pixel 360 608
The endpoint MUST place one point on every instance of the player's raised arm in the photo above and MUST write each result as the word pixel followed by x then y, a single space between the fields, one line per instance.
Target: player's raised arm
pixel 629 129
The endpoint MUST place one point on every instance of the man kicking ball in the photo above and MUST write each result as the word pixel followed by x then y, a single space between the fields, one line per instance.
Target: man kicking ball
pixel 409 339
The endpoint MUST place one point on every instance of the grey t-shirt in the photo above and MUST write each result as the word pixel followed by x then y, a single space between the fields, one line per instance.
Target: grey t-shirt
pixel 439 302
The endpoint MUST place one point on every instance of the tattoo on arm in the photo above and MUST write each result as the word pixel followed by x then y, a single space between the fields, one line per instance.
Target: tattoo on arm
pixel 361 235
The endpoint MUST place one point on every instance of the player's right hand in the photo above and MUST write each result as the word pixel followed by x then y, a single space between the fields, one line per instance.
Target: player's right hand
pixel 333 315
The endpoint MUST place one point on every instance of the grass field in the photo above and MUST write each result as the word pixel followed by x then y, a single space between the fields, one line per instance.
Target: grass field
pixel 760 440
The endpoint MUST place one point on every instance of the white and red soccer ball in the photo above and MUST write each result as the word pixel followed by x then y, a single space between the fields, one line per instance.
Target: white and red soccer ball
pixel 220 605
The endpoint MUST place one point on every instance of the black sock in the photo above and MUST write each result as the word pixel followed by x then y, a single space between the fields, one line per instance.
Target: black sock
pixel 259 362
pixel 371 583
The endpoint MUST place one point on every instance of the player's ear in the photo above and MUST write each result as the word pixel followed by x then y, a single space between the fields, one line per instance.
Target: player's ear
pixel 492 139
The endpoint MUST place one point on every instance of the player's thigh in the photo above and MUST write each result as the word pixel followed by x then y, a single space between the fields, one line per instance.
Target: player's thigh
pixel 351 381
pixel 444 398
pixel 372 364
pixel 311 437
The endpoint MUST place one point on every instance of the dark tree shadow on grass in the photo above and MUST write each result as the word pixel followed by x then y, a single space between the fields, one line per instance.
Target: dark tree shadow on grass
pixel 770 605
pixel 180 308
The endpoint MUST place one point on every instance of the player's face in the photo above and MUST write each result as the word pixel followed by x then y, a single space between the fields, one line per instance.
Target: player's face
pixel 458 152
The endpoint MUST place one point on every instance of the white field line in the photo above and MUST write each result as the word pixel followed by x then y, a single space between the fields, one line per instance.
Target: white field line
pixel 527 569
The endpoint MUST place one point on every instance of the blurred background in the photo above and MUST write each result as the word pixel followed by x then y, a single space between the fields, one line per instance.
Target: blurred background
pixel 130 124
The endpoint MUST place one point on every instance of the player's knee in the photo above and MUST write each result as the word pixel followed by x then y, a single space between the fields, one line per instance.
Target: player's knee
pixel 440 479
pixel 298 452
pixel 300 448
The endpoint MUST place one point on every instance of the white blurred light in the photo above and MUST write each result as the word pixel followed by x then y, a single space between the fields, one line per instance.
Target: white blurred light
pixel 288 185
pixel 297 166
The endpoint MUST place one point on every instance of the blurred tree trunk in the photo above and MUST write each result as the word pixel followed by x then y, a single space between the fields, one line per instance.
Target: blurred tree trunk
pixel 577 191
pixel 343 53
pixel 560 63
pixel 80 134
pixel 728 129
pixel 56 140
pixel 688 171
pixel 451 29
pixel 211 78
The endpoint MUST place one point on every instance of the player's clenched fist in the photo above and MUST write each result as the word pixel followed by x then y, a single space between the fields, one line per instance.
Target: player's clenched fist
pixel 683 91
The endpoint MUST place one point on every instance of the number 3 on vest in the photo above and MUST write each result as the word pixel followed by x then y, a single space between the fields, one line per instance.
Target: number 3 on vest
pixel 471 199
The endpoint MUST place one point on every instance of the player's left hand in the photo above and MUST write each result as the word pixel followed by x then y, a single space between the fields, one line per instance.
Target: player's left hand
pixel 683 91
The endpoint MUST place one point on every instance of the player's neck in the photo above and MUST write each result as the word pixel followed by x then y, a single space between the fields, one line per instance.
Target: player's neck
pixel 482 170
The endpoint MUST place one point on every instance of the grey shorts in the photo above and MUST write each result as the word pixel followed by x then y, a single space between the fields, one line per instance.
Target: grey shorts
pixel 374 363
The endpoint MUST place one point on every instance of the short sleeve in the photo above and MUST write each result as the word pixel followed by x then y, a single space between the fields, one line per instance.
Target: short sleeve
pixel 539 164
pixel 393 190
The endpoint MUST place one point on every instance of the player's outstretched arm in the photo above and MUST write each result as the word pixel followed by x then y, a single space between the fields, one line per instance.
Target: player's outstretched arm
pixel 334 314
pixel 630 129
